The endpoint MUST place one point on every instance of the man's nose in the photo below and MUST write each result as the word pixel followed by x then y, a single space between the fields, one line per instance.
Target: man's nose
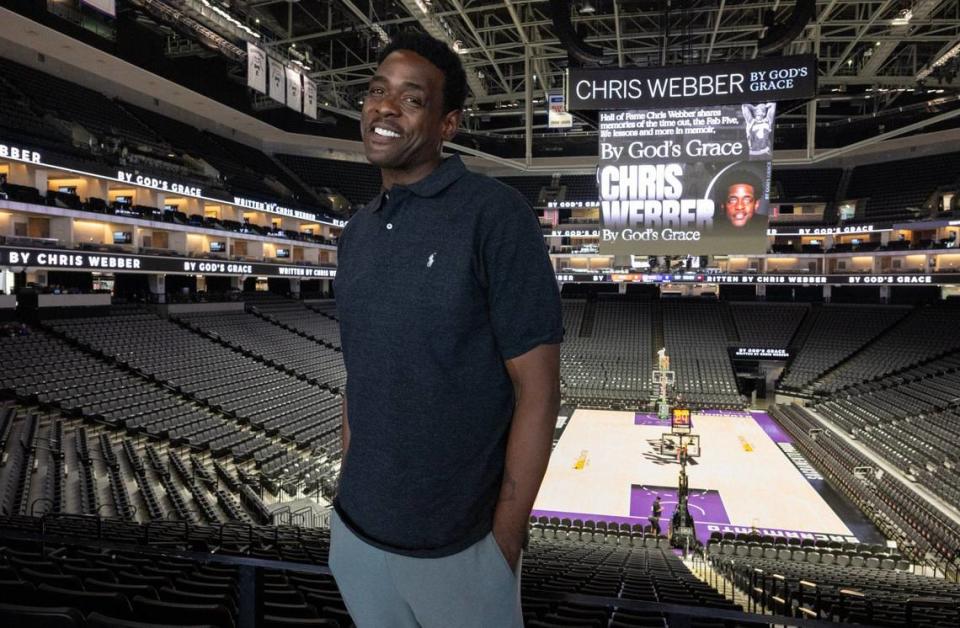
pixel 388 105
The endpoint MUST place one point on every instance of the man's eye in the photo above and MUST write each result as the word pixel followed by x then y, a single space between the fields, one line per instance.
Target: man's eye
pixel 375 91
pixel 414 101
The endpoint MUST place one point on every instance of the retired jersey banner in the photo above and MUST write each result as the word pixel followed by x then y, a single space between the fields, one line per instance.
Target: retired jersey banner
pixel 256 68
pixel 277 84
pixel 309 98
pixel 690 181
pixel 294 90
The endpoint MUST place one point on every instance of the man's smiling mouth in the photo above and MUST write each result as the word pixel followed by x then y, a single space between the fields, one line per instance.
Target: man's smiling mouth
pixel 382 132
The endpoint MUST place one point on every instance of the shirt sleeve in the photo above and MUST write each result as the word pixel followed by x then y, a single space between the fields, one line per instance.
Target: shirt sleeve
pixel 522 293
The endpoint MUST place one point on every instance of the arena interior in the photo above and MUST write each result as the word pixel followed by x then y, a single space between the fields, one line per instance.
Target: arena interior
pixel 170 357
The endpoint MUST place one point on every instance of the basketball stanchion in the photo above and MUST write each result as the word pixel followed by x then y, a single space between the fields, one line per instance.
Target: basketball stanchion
pixel 685 445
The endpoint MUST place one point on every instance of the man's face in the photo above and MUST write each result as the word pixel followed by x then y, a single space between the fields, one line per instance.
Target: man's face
pixel 741 204
pixel 402 123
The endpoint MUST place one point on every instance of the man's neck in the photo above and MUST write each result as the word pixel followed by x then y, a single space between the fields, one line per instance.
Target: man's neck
pixel 392 177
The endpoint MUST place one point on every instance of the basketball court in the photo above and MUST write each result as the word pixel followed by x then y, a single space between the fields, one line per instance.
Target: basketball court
pixel 611 465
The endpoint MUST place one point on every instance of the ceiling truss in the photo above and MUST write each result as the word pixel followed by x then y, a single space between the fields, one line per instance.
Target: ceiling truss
pixel 861 49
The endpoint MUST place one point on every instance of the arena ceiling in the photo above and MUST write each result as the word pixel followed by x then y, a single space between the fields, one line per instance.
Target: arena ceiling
pixel 887 68
pixel 875 56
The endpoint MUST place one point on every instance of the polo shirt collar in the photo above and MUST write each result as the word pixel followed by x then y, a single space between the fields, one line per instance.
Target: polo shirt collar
pixel 442 177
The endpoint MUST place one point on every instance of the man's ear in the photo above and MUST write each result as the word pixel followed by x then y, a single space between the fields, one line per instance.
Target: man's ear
pixel 450 124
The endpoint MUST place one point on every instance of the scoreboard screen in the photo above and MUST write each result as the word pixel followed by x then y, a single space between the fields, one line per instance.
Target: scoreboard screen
pixel 680 420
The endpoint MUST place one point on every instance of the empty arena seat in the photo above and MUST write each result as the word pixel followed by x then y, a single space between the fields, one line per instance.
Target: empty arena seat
pixel 358 182
pixel 606 361
pixel 767 325
pixel 98 620
pixel 54 579
pixel 273 621
pixel 889 199
pixel 696 335
pixel 837 332
pixel 172 612
pixel 40 616
pixel 109 603
pixel 126 589
pixel 120 400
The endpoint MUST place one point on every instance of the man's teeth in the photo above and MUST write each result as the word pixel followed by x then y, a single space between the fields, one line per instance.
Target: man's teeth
pixel 385 132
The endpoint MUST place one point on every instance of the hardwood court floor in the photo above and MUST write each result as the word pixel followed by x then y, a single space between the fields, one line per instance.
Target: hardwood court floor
pixel 743 478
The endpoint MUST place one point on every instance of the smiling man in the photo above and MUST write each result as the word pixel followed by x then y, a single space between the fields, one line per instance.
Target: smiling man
pixel 450 324
pixel 741 203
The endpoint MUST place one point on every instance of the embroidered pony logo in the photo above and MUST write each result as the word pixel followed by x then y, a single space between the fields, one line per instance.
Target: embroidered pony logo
pixel 430 259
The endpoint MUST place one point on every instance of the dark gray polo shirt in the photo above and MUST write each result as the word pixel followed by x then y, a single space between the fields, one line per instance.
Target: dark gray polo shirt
pixel 437 284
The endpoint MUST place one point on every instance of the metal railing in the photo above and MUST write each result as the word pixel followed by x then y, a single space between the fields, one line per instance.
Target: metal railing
pixel 248 566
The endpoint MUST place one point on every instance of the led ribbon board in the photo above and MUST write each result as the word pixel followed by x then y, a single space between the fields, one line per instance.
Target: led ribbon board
pixel 20 258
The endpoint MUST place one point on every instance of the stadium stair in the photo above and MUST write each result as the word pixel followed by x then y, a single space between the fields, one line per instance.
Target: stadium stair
pixel 250 353
pixel 803 330
pixel 589 315
pixel 729 326
pixel 199 413
pixel 843 186
pixel 658 341
pixel 891 328
pixel 705 572
pixel 275 319
pixel 836 332
pixel 904 510
pixel 315 196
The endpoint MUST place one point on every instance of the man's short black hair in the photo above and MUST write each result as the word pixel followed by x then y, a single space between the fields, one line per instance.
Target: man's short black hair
pixel 440 55
pixel 736 176
pixel 741 175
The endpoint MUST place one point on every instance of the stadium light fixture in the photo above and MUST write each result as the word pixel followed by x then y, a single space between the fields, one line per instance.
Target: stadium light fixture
pixel 229 18
pixel 944 59
pixel 903 17
pixel 587 8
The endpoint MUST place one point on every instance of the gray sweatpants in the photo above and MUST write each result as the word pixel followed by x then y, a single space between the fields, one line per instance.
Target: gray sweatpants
pixel 474 587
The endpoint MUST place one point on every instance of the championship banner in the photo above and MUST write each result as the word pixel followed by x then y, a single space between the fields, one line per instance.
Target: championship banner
pixel 691 181
pixel 256 68
pixel 309 98
pixel 748 81
pixel 557 115
pixel 276 80
pixel 294 90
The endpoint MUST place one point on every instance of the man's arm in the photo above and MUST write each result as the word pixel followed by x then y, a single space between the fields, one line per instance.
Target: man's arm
pixel 345 437
pixel 536 383
pixel 345 428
